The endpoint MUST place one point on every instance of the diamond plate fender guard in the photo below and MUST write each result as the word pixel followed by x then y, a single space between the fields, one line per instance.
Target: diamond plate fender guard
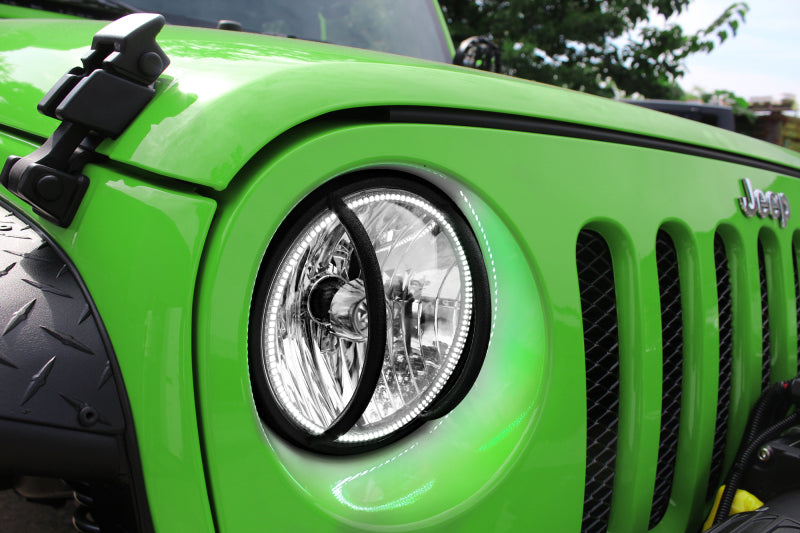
pixel 60 409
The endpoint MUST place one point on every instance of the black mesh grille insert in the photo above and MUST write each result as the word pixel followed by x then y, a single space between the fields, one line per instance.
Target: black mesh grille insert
pixel 598 303
pixel 672 364
pixel 725 364
pixel 765 342
pixel 797 302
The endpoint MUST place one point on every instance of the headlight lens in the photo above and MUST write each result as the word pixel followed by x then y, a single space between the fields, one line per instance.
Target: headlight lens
pixel 338 383
pixel 314 360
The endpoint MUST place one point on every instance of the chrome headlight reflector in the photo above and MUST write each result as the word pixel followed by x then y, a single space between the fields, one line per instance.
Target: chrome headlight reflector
pixel 364 316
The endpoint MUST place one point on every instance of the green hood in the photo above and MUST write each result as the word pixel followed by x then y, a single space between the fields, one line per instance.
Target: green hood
pixel 228 94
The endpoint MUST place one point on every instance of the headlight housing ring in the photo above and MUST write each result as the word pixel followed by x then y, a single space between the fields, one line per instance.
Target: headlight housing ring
pixel 370 314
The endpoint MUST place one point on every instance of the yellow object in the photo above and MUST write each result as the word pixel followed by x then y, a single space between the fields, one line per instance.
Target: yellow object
pixel 742 503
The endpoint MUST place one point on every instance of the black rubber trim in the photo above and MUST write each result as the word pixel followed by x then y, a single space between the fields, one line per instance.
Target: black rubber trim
pixel 267 404
pixel 150 177
pixel 376 311
pixel 477 343
pixel 131 455
pixel 480 119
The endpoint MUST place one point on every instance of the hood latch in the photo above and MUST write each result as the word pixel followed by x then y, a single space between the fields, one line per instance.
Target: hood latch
pixel 93 102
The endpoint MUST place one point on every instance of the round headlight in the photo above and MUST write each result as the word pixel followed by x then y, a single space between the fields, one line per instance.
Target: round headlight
pixel 365 316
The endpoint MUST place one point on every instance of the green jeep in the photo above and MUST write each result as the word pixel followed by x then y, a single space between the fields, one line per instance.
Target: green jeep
pixel 257 282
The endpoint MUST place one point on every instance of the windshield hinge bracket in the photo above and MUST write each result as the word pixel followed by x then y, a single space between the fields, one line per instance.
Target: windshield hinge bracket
pixel 93 102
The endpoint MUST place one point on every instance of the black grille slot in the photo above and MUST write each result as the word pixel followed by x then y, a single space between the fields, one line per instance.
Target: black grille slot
pixel 725 364
pixel 672 364
pixel 599 308
pixel 797 302
pixel 765 341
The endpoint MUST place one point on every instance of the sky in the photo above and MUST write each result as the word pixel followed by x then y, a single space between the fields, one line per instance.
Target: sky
pixel 763 60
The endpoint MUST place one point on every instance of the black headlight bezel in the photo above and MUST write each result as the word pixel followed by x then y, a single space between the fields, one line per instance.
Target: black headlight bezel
pixel 331 196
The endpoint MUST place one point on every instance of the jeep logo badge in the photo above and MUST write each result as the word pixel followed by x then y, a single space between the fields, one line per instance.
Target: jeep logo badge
pixel 766 204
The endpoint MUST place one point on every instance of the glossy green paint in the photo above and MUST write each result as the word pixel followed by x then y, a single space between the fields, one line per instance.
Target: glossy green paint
pixel 512 456
pixel 699 386
pixel 255 87
pixel 445 29
pixel 14 12
pixel 422 481
pixel 137 247
pixel 747 319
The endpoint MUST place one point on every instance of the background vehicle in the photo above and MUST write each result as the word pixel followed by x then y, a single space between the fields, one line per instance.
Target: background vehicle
pixel 715 115
pixel 624 290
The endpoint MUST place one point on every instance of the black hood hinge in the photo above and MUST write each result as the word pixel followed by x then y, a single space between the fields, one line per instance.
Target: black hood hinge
pixel 96 101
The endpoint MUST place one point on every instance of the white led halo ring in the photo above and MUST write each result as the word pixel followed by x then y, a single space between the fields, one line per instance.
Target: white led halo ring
pixel 272 384
pixel 274 379
pixel 466 351
pixel 477 340
pixel 455 351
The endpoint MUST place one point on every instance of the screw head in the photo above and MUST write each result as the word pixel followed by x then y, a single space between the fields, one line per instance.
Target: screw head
pixel 88 416
pixel 764 454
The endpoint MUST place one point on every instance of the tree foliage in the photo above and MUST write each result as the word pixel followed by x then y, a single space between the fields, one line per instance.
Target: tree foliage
pixel 605 47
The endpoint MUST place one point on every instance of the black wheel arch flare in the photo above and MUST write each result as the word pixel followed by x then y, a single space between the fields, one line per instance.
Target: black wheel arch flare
pixel 64 411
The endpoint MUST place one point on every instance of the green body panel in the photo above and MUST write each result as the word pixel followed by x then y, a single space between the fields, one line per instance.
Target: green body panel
pixel 14 12
pixel 445 29
pixel 255 87
pixel 137 248
pixel 172 269
pixel 512 455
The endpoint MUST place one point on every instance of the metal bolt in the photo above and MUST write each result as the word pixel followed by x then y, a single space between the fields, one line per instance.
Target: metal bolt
pixel 764 454
pixel 88 416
